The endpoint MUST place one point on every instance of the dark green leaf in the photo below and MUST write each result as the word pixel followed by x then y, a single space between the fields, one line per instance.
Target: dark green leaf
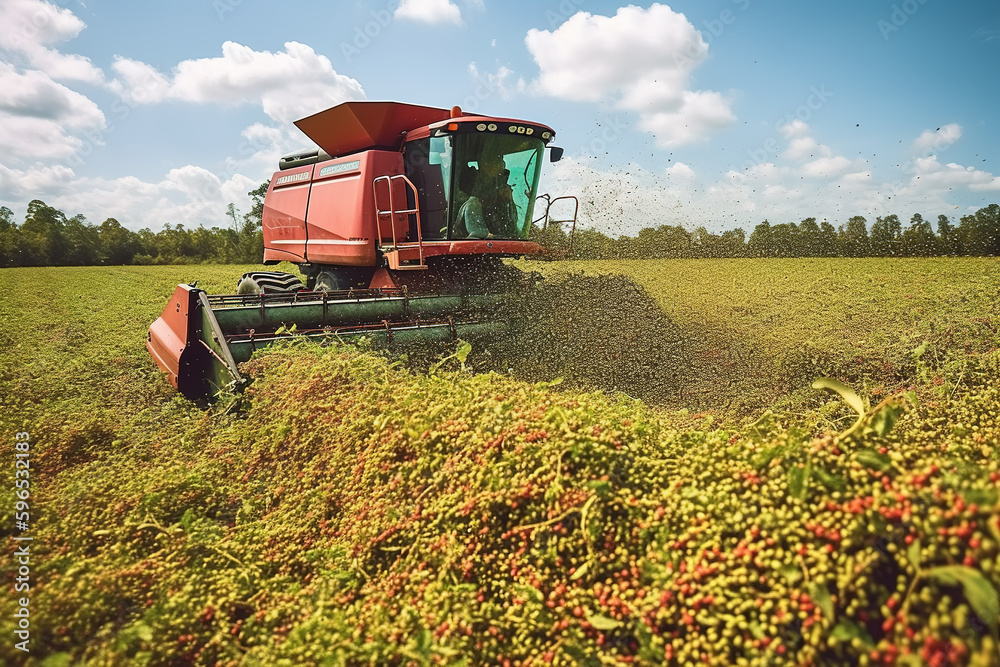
pixel 829 480
pixel 462 353
pixel 982 497
pixel 797 478
pixel 58 660
pixel 821 597
pixel 978 590
pixel 993 524
pixel 847 630
pixel 791 573
pixel 913 553
pixel 872 459
pixel 883 420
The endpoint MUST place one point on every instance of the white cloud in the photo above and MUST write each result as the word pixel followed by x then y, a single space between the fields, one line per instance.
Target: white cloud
pixel 41 120
pixel 857 178
pixel 814 159
pixel 795 128
pixel 827 167
pixel 429 11
pixel 36 22
pixel 639 59
pixel 288 84
pixel 932 141
pixel 801 147
pixel 700 113
pixel 932 174
pixel 681 172
pixel 31 25
pixel 38 116
pixel 137 82
pixel 188 195
pixel 26 184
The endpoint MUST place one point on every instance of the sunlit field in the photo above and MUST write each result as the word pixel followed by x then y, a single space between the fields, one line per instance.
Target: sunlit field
pixel 723 462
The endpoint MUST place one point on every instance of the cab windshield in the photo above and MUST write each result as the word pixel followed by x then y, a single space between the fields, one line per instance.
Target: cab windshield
pixel 475 186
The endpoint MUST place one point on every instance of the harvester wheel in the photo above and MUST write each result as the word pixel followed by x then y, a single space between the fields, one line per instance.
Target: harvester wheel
pixel 269 282
pixel 327 281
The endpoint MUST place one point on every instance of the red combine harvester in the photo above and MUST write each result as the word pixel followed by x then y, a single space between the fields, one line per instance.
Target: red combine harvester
pixel 399 220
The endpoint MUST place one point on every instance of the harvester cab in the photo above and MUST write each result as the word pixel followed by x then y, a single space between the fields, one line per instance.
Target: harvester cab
pixel 398 220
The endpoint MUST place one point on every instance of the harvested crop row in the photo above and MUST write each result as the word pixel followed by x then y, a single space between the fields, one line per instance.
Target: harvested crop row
pixel 371 516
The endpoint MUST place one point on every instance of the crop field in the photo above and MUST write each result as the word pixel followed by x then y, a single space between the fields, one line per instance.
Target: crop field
pixel 649 470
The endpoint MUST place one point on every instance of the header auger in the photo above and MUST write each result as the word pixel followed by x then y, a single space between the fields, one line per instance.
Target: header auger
pixel 398 220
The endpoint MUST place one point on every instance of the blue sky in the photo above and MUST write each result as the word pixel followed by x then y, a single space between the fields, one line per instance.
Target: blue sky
pixel 720 113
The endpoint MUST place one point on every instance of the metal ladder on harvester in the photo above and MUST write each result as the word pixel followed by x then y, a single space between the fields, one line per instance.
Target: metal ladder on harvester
pixel 401 255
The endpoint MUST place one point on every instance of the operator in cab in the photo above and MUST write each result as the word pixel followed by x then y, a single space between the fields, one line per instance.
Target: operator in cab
pixel 485 200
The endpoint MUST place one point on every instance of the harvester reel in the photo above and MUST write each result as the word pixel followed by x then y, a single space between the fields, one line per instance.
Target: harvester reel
pixel 269 282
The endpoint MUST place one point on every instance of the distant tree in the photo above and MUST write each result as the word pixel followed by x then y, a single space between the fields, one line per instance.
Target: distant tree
pixel 918 238
pixel 880 239
pixel 895 228
pixel 8 237
pixel 662 241
pixel 829 243
pixel 761 244
pixel 145 241
pixel 255 217
pixel 118 244
pixel 704 243
pixel 43 235
pixel 810 243
pixel 733 243
pixel 83 243
pixel 785 240
pixel 174 245
pixel 947 236
pixel 592 244
pixel 250 236
pixel 979 233
pixel 855 237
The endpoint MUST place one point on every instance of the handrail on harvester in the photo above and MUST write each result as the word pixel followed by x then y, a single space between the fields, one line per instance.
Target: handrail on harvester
pixel 392 213
pixel 549 201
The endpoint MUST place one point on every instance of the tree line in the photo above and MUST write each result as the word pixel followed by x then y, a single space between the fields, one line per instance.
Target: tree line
pixel 977 234
pixel 47 237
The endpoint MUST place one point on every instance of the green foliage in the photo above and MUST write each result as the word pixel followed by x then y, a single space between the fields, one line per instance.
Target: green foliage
pixel 976 235
pixel 48 238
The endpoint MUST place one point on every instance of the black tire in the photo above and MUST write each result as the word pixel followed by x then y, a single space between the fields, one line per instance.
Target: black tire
pixel 269 282
pixel 327 281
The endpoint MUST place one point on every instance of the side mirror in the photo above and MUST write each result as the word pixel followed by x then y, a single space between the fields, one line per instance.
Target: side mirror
pixel 556 154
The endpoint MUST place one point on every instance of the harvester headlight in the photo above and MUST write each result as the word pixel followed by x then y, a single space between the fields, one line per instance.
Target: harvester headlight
pixel 481 127
pixel 546 135
pixel 492 127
